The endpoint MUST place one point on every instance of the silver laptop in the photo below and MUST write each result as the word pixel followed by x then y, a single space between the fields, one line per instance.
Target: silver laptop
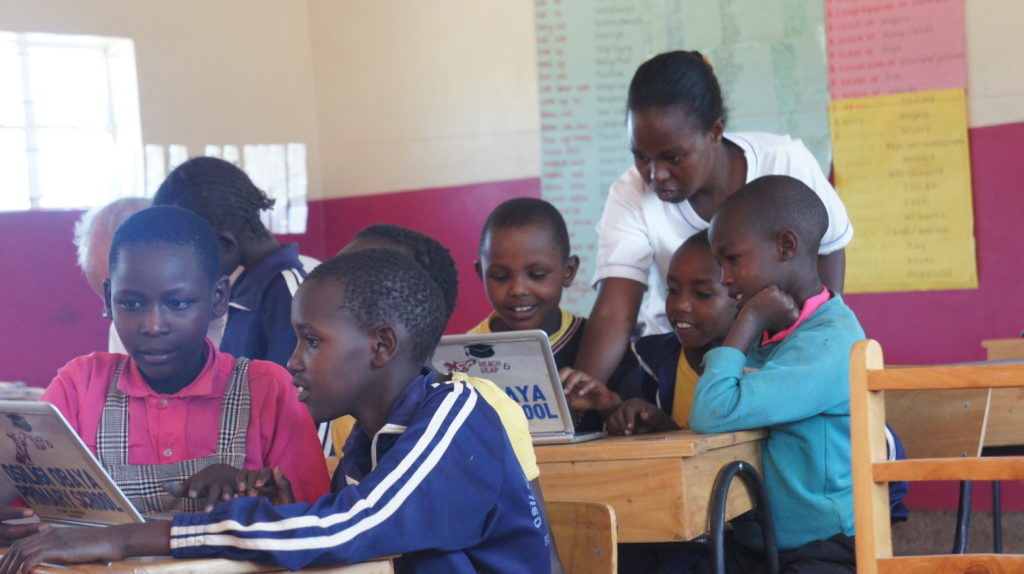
pixel 521 364
pixel 44 459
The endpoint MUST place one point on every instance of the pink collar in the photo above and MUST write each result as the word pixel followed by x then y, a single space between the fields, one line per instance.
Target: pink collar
pixel 810 306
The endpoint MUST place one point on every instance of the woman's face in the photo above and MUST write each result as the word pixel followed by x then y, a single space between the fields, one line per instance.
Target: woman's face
pixel 674 155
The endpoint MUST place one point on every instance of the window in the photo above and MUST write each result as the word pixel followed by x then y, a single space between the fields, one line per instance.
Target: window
pixel 70 135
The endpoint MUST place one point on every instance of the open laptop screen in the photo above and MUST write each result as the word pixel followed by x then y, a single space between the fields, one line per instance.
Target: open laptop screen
pixel 53 470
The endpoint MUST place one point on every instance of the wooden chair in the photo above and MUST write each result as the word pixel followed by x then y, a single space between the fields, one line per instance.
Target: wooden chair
pixel 585 535
pixel 869 382
pixel 946 423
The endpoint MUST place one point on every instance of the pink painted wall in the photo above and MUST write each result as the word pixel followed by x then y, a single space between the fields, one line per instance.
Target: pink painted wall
pixel 948 326
pixel 51 316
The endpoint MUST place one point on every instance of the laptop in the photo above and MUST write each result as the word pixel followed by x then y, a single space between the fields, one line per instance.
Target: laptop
pixel 521 364
pixel 44 459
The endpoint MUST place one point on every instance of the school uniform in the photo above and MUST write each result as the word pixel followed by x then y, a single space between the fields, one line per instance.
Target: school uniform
pixel 795 383
pixel 670 382
pixel 242 413
pixel 434 484
pixel 511 414
pixel 639 232
pixel 260 308
pixel 565 345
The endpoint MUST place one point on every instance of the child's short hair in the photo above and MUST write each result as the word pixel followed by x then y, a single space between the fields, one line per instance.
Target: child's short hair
pixel 220 192
pixel 428 252
pixel 525 211
pixel 169 224
pixel 772 203
pixel 700 239
pixel 379 286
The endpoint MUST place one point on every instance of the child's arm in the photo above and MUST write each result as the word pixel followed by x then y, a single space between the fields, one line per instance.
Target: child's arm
pixel 805 376
pixel 436 488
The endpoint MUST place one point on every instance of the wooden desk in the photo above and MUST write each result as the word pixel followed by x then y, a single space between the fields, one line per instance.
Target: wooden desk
pixel 658 484
pixel 168 565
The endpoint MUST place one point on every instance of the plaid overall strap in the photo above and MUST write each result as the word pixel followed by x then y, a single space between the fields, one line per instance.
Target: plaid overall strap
pixel 144 484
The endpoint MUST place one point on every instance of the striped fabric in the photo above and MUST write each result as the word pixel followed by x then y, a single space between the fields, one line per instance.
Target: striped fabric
pixel 447 494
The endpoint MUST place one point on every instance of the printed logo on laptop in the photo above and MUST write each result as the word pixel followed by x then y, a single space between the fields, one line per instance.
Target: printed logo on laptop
pixel 459 366
pixel 748 370
pixel 479 350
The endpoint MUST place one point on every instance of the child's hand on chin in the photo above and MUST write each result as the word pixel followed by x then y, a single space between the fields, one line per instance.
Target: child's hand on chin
pixel 772 308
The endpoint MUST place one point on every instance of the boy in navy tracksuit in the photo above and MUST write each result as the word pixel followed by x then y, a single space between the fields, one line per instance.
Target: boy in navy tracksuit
pixel 438 483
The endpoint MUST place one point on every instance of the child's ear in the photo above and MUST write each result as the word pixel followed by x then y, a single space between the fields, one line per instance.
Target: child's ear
pixel 385 345
pixel 572 265
pixel 219 297
pixel 478 268
pixel 107 307
pixel 787 243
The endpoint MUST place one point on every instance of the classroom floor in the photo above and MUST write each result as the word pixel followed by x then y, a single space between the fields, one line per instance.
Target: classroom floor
pixel 931 532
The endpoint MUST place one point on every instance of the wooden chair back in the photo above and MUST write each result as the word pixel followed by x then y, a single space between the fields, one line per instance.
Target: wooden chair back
pixel 585 535
pixel 869 383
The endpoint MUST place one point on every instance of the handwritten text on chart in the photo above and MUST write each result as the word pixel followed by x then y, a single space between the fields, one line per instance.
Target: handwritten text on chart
pixel 878 47
pixel 903 171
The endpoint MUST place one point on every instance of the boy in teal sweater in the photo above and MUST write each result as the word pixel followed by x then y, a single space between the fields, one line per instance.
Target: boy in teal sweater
pixel 784 365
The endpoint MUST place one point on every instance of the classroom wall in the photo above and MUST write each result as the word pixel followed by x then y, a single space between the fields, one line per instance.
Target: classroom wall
pixel 426 115
pixel 424 95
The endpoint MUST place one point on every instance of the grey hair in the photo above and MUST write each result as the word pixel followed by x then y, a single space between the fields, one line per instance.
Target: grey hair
pixel 107 218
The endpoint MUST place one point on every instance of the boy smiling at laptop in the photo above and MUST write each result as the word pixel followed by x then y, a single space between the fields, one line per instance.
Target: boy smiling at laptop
pixel 176 409
pixel 525 263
